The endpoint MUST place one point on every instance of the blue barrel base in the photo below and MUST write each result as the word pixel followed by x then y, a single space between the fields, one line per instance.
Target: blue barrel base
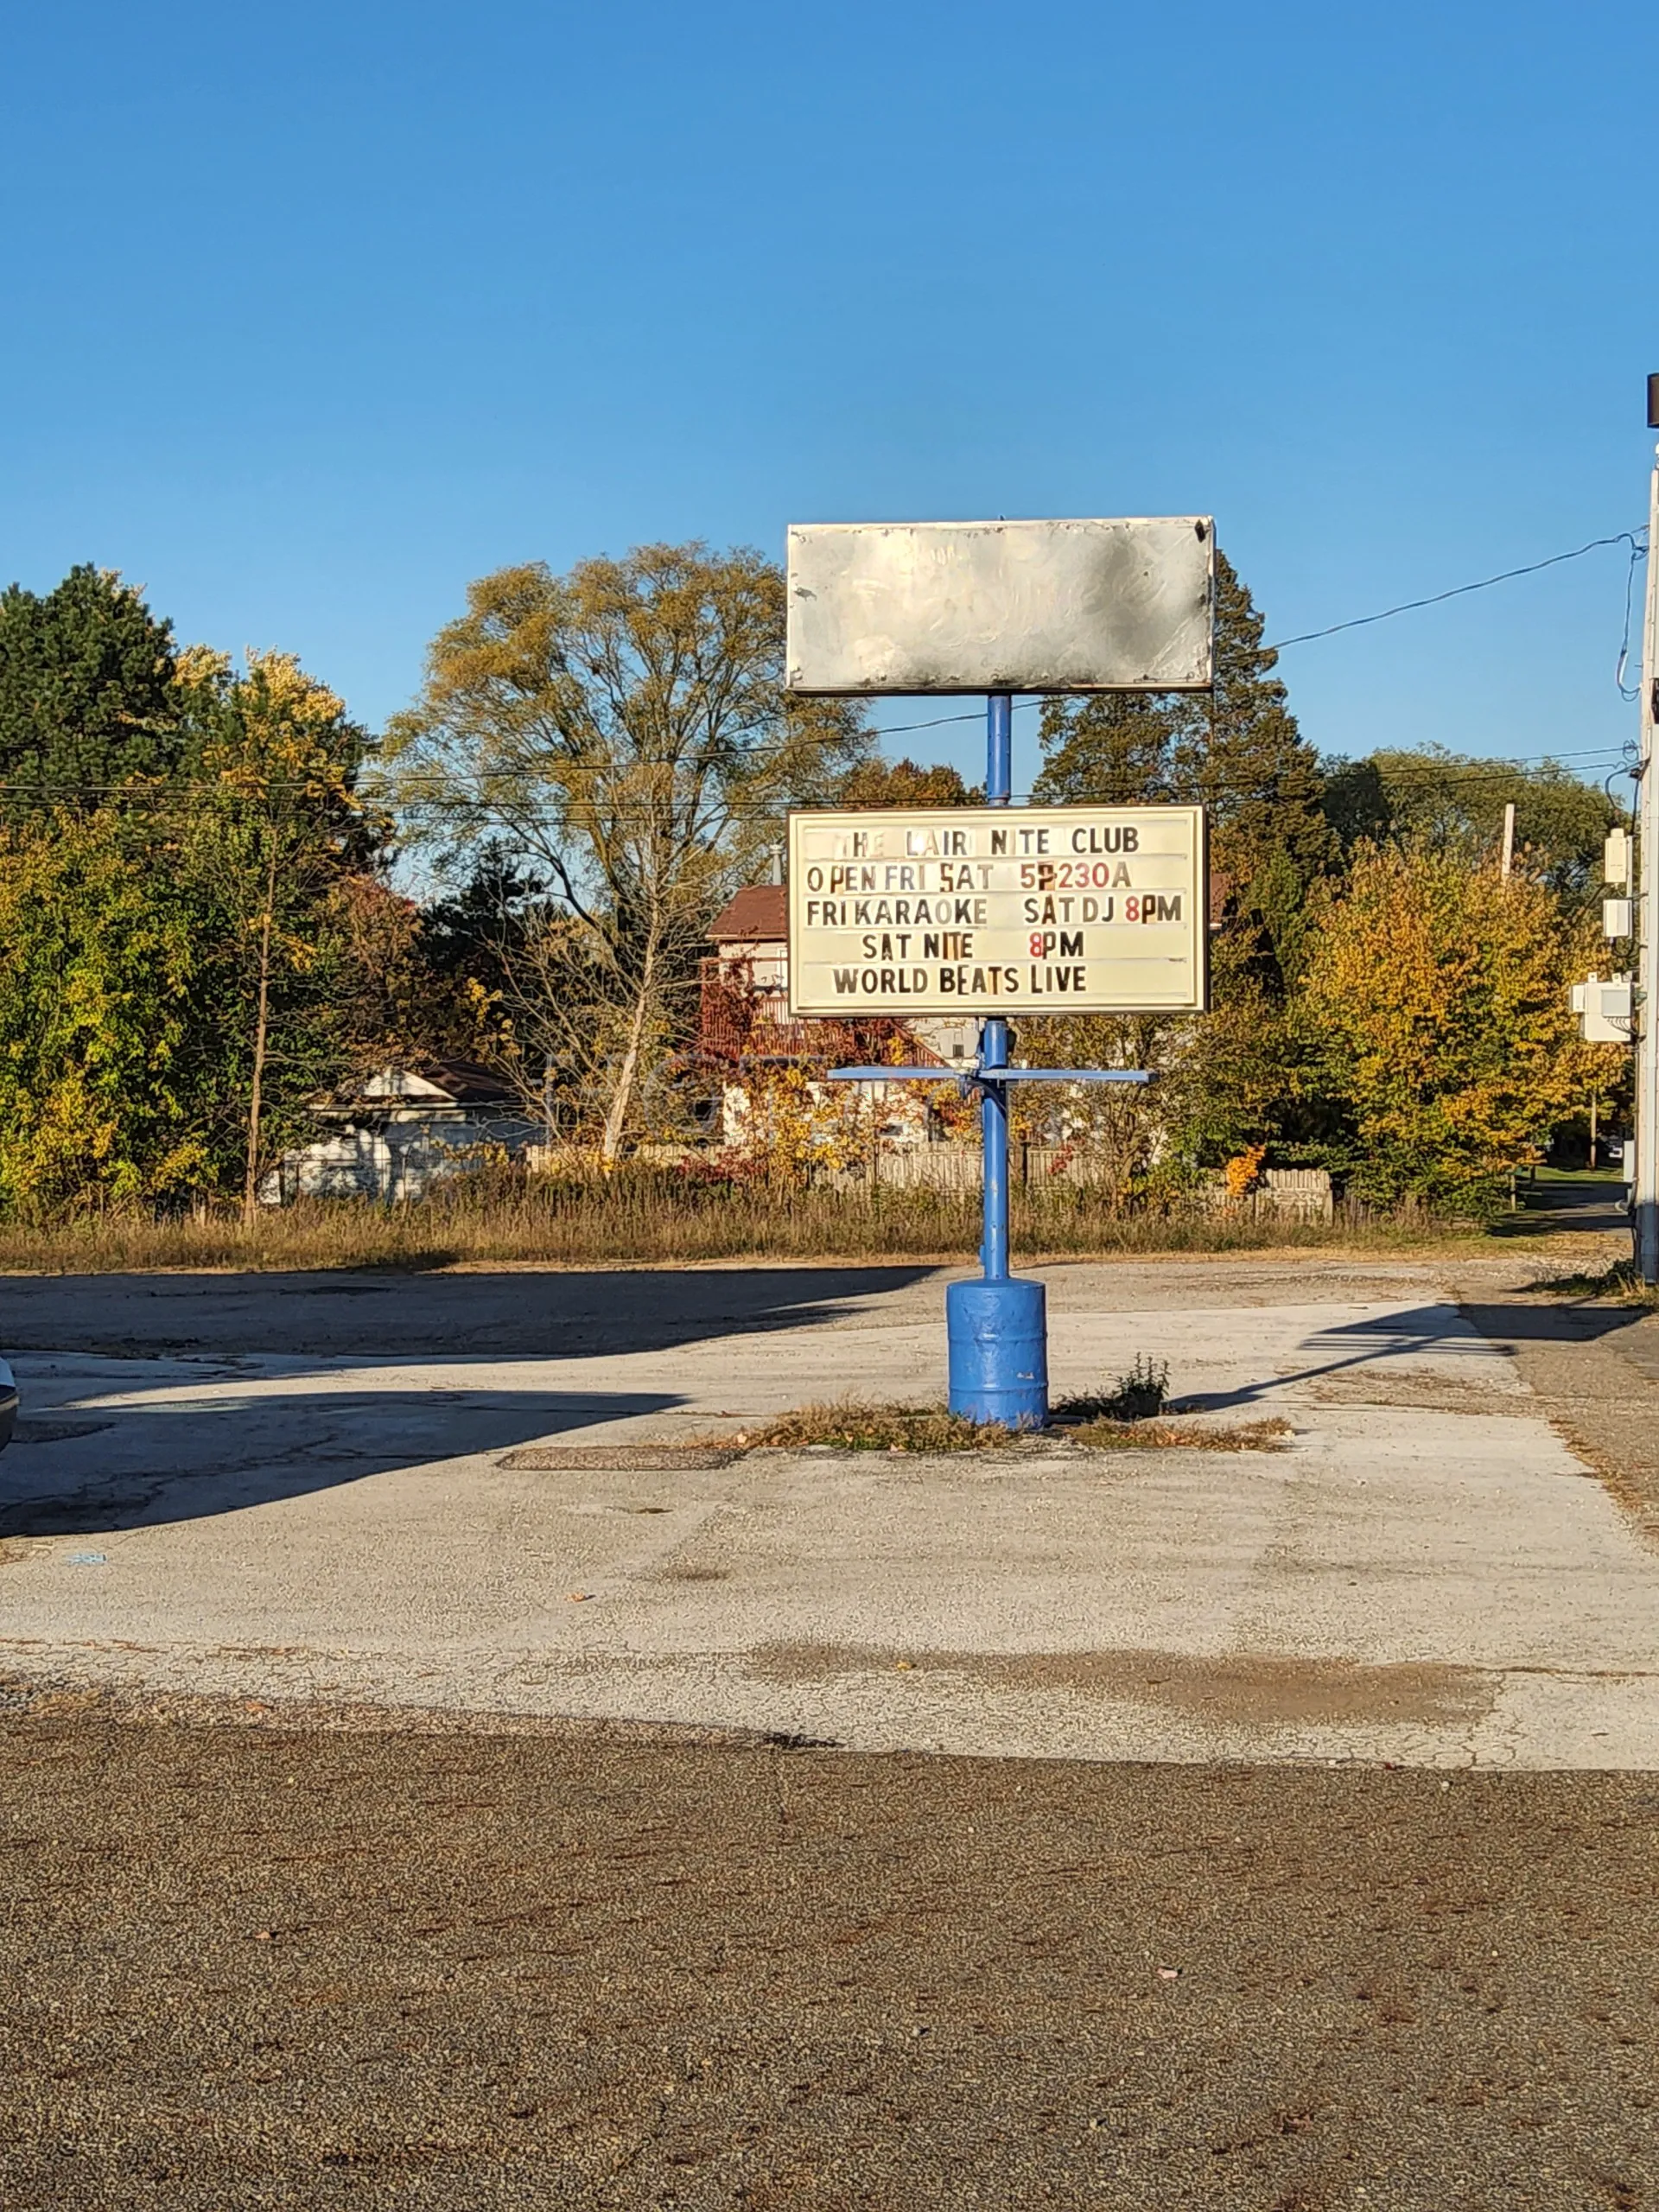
pixel 998 1333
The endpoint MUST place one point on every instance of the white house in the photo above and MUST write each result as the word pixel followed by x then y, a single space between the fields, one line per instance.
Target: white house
pixel 400 1129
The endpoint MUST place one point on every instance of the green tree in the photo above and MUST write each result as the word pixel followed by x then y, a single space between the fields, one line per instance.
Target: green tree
pixel 184 964
pixel 88 701
pixel 270 839
pixel 1453 802
pixel 624 728
pixel 1237 752
pixel 1226 1081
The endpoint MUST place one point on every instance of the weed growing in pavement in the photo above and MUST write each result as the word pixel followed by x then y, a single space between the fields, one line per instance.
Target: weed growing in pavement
pixel 1139 1396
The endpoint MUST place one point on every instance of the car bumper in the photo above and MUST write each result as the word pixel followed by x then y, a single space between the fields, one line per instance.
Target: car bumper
pixel 8 1405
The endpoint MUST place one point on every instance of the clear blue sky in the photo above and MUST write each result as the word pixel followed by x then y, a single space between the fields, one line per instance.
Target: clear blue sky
pixel 313 312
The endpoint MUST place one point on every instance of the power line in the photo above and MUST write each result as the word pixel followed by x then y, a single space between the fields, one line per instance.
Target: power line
pixel 1635 539
pixel 160 792
pixel 1484 583
pixel 1593 766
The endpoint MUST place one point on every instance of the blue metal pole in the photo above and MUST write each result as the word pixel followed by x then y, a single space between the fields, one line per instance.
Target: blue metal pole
pixel 997 1327
pixel 993 1036
pixel 998 748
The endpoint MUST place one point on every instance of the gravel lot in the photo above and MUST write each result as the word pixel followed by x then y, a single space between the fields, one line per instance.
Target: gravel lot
pixel 348 1953
pixel 253 1968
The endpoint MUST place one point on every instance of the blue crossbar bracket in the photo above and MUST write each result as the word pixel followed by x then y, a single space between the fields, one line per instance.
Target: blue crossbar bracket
pixel 895 1075
pixel 975 1073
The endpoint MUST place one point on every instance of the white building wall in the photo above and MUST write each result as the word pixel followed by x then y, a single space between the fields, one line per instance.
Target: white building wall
pixel 395 1159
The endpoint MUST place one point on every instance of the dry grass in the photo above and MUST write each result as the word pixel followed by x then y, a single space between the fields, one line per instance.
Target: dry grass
pixel 869 1425
pixel 646 1218
pixel 1180 1436
pixel 864 1425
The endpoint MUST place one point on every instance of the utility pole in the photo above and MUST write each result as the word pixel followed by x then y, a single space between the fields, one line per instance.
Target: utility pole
pixel 1644 1198
pixel 1509 837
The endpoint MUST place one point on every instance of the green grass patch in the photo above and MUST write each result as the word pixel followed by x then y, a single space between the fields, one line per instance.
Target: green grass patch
pixel 1180 1436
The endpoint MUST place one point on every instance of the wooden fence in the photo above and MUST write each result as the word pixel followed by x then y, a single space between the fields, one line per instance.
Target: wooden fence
pixel 1287 1193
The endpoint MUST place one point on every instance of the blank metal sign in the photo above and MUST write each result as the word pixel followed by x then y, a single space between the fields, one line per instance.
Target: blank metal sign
pixel 975 911
pixel 882 608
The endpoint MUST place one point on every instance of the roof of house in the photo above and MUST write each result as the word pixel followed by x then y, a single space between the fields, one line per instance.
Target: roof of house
pixel 758 914
pixel 431 1083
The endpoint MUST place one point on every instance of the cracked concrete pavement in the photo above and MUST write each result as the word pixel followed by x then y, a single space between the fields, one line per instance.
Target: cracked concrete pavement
pixel 266 1488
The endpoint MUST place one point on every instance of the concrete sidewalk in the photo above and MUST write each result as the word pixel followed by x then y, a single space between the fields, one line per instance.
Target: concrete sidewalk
pixel 1426 1575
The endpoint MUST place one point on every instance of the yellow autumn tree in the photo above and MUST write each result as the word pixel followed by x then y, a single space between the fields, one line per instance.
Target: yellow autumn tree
pixel 1435 1017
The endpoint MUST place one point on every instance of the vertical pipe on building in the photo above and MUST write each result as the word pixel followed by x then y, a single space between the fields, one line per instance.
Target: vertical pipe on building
pixel 1645 1195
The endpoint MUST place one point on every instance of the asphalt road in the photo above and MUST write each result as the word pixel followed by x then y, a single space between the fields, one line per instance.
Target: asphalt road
pixel 250 1967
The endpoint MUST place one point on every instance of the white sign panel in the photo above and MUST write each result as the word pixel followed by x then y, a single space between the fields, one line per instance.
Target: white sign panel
pixel 998 910
pixel 1119 604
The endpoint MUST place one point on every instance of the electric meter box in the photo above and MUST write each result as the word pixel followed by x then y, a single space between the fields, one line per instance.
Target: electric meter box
pixel 1602 1006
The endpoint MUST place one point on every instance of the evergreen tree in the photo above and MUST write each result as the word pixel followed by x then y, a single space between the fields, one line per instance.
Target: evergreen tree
pixel 1241 754
pixel 87 700
pixel 1238 752
pixel 1115 749
pixel 472 933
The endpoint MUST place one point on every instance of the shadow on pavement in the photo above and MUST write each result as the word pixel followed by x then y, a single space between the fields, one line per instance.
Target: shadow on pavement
pixel 1424 1331
pixel 232 1434
pixel 81 1468
pixel 509 1313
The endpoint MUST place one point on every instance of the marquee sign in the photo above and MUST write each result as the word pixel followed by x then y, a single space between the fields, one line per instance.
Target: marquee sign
pixel 991 911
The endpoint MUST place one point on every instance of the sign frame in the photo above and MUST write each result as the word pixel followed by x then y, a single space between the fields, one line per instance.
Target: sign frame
pixel 1083 859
